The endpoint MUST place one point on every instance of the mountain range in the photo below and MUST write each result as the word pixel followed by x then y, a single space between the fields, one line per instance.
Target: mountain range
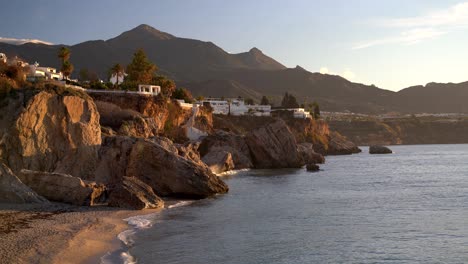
pixel 208 70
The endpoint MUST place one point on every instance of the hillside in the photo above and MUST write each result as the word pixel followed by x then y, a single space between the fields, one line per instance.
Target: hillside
pixel 208 70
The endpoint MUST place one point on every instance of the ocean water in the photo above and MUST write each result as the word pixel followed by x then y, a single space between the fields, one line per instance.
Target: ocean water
pixel 408 207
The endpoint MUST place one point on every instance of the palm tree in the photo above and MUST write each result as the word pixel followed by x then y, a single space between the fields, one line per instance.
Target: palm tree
pixel 64 54
pixel 67 69
pixel 117 70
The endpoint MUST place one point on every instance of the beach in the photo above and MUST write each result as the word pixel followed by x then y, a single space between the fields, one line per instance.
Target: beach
pixel 58 233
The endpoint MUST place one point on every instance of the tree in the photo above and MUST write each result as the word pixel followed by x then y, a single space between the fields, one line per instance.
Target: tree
pixel 168 86
pixel 316 110
pixel 141 70
pixel 289 101
pixel 183 94
pixel 249 101
pixel 64 55
pixel 67 69
pixel 84 75
pixel 264 101
pixel 117 70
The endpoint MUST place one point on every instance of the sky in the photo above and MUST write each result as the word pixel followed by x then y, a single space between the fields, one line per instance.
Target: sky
pixel 392 44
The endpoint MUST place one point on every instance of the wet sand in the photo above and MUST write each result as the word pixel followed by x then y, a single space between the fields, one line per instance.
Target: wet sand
pixel 58 233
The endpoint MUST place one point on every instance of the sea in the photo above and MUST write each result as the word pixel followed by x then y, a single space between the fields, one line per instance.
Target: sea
pixel 407 207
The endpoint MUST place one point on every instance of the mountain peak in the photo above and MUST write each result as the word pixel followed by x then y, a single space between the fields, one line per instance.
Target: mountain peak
pixel 145 31
pixel 254 50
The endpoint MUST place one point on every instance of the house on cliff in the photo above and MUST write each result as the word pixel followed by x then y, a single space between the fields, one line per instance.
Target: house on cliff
pixel 235 107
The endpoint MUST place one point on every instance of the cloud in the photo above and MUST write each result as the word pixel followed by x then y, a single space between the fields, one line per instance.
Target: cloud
pixel 15 41
pixel 324 70
pixel 408 37
pixel 347 73
pixel 421 28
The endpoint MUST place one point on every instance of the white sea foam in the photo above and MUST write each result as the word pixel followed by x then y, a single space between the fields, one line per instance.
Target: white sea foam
pixel 179 204
pixel 127 237
pixel 232 172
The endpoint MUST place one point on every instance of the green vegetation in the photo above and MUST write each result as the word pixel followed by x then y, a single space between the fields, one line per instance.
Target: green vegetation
pixel 289 101
pixel 264 101
pixel 64 55
pixel 183 94
pixel 249 101
pixel 141 70
pixel 117 70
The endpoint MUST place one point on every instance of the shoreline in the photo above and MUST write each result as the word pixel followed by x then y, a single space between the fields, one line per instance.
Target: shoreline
pixel 59 233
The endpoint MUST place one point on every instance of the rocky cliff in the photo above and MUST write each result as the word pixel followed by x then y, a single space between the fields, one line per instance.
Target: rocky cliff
pixel 53 130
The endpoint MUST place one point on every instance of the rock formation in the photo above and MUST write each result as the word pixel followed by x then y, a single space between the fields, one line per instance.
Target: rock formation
pixel 379 150
pixel 12 190
pixel 306 150
pixel 63 188
pixel 339 145
pixel 52 130
pixel 219 161
pixel 229 142
pixel 134 194
pixel 274 146
pixel 312 167
pixel 165 171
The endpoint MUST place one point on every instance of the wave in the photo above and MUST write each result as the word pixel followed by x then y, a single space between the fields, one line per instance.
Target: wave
pixel 232 172
pixel 136 223
pixel 179 204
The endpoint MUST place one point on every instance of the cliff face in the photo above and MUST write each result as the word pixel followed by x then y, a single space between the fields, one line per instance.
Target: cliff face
pixel 50 130
pixel 404 131
pixel 142 116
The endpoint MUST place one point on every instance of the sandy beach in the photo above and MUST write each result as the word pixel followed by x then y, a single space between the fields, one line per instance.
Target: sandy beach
pixel 58 233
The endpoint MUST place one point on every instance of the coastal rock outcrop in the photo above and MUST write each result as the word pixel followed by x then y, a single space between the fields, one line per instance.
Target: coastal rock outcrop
pixel 274 146
pixel 63 188
pixel 340 145
pixel 163 170
pixel 53 130
pixel 312 167
pixel 376 149
pixel 219 161
pixel 12 190
pixel 134 194
pixel 229 142
pixel 306 150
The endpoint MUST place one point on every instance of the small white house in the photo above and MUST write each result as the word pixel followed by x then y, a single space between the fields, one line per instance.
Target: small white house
pixel 236 107
pixel 113 78
pixel 149 89
pixel 48 73
pixel 3 58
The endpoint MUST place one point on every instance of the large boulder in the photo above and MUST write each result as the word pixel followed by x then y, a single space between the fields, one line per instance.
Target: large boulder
pixel 340 145
pixel 306 150
pixel 12 190
pixel 229 142
pixel 53 130
pixel 219 161
pixel 274 146
pixel 163 170
pixel 312 167
pixel 379 150
pixel 134 194
pixel 63 188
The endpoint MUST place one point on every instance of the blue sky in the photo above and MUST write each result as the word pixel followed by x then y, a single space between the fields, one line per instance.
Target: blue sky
pixel 392 44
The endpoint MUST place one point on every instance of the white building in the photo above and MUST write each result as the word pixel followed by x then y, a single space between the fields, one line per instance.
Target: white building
pixel 297 112
pixel 113 78
pixel 47 73
pixel 3 58
pixel 149 89
pixel 236 107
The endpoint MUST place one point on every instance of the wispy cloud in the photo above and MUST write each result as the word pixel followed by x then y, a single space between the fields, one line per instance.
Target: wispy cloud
pixel 421 28
pixel 15 41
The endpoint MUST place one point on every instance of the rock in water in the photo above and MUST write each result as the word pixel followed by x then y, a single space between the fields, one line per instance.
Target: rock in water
pixel 312 167
pixel 12 190
pixel 306 150
pixel 274 146
pixel 232 143
pixel 219 161
pixel 379 150
pixel 340 145
pixel 63 188
pixel 134 194
pixel 163 170
pixel 50 131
